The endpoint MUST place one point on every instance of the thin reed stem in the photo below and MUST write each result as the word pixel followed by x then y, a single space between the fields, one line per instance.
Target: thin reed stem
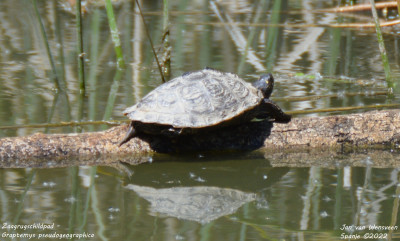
pixel 112 95
pixel 382 48
pixel 115 35
pixel 398 7
pixel 94 55
pixel 81 54
pixel 120 61
pixel 21 200
pixel 46 43
pixel 347 108
pixel 166 61
pixel 151 42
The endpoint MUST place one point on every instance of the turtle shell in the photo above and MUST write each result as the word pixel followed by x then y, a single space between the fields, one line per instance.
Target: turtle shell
pixel 197 99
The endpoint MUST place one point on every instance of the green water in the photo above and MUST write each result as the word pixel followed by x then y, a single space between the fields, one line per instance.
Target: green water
pixel 202 196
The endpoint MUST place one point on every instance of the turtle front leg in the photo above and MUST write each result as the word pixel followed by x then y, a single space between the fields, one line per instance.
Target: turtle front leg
pixel 270 109
pixel 129 135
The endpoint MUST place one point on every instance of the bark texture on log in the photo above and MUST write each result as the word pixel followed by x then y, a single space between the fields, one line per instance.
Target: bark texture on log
pixel 101 148
pixel 92 148
pixel 365 129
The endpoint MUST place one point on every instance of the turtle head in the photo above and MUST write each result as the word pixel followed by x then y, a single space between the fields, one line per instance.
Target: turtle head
pixel 266 84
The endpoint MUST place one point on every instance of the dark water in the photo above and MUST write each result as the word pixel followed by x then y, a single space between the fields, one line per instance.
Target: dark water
pixel 203 198
pixel 218 196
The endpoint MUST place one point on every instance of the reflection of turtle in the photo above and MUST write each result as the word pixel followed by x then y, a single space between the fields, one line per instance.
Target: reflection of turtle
pixel 201 204
pixel 201 101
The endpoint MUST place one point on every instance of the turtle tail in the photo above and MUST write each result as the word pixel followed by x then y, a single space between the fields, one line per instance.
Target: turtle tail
pixel 129 135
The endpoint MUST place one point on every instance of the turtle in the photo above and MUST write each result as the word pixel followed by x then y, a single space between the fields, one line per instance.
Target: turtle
pixel 201 101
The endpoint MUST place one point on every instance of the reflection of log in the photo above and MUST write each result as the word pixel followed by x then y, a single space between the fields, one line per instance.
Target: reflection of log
pixel 376 158
pixel 335 132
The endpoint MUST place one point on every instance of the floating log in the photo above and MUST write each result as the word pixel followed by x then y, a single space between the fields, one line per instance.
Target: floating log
pixel 337 133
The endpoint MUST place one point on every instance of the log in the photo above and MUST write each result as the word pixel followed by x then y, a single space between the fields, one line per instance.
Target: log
pixel 359 130
pixel 338 133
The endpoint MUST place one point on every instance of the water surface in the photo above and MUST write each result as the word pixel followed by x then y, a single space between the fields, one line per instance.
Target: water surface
pixel 212 196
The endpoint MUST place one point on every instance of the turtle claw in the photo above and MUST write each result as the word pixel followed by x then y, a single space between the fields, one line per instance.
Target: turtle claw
pixel 129 135
pixel 274 112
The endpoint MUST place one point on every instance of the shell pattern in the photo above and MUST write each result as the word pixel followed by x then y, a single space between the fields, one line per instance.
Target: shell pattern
pixel 197 99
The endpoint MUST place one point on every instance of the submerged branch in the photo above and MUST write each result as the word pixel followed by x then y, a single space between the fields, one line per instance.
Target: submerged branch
pixel 366 130
pixel 366 25
pixel 302 25
pixel 362 7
